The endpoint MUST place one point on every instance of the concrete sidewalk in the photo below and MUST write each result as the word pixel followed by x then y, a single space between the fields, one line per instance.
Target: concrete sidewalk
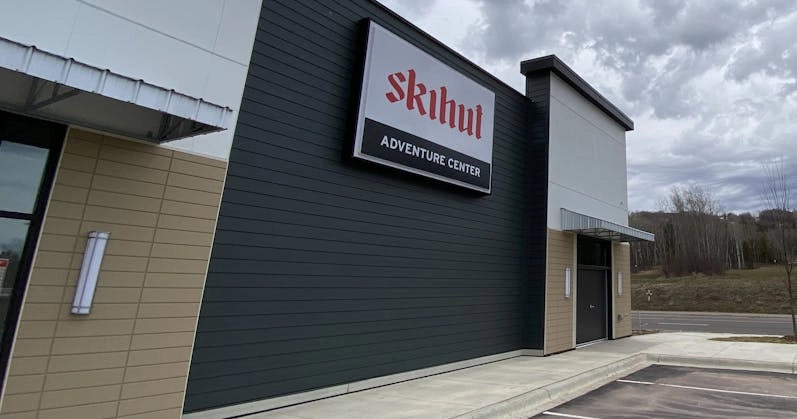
pixel 525 385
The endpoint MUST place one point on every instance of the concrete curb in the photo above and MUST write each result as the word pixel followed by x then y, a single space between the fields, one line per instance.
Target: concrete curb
pixel 532 402
pixel 546 397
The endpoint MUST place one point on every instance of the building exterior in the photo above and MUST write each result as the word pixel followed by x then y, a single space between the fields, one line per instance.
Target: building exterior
pixel 301 199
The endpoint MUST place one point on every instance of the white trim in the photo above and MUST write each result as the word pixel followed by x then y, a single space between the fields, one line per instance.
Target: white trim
pixel 307 396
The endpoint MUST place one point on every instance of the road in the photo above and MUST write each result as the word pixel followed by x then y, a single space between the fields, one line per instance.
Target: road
pixel 764 324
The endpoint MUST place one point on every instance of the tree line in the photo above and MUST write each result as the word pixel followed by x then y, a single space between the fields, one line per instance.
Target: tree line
pixel 694 235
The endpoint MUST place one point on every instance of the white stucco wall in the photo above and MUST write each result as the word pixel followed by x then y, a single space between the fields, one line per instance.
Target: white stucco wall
pixel 587 165
pixel 196 47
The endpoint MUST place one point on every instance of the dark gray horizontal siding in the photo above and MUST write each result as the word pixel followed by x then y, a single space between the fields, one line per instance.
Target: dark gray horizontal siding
pixel 327 270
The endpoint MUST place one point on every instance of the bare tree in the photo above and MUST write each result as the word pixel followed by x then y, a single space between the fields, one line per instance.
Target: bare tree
pixel 777 193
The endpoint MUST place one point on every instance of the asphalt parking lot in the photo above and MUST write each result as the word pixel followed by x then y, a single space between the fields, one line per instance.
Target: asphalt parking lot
pixel 662 391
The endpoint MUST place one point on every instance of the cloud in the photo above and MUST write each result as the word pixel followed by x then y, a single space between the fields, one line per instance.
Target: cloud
pixel 711 85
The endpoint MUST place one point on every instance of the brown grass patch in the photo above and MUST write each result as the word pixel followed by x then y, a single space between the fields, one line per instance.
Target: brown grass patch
pixel 761 290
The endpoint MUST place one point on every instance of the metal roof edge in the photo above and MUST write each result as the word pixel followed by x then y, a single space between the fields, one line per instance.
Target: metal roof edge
pixel 28 59
pixel 574 221
pixel 553 63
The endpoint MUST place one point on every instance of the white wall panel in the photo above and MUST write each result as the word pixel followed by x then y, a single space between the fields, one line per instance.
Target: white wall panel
pixel 197 47
pixel 587 162
pixel 43 23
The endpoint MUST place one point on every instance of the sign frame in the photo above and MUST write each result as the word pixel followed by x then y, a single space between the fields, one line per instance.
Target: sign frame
pixel 461 161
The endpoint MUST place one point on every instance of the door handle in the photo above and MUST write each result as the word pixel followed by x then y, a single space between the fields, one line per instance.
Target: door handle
pixel 591 306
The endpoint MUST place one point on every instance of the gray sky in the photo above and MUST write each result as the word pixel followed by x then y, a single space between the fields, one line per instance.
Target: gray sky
pixel 710 85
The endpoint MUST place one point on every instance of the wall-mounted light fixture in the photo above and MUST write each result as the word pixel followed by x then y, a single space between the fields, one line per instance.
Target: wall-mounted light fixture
pixel 89 271
pixel 619 283
pixel 567 282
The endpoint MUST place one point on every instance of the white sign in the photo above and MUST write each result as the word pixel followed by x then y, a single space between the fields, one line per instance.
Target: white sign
pixel 420 115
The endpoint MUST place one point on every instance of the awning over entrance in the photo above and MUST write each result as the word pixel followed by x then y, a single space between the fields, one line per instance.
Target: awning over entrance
pixel 49 86
pixel 602 229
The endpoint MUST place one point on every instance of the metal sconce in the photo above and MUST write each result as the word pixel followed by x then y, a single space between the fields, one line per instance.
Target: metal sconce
pixel 619 283
pixel 89 271
pixel 567 282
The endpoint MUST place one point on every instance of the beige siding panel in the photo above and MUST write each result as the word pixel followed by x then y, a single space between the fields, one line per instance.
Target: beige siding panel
pixel 44 294
pixel 174 280
pixel 49 276
pixel 130 355
pixel 78 163
pixel 25 383
pixel 207 161
pixel 36 329
pixel 159 356
pixel 57 225
pixel 177 251
pixel 150 403
pixel 165 325
pixel 100 311
pixel 21 402
pixel 160 414
pixel 64 193
pixel 131 187
pixel 88 361
pixel 559 309
pixel 57 243
pixel 194 210
pixel 27 365
pixel 160 295
pixel 124 200
pixel 192 196
pixel 100 410
pixel 129 171
pixel 120 216
pixel 74 178
pixel 152 388
pixel 196 183
pixel 21 415
pixel 119 231
pixel 163 235
pixel 67 210
pixel 83 146
pixel 162 340
pixel 136 146
pixel 121 155
pixel 80 396
pixel 186 223
pixel 67 380
pixel 155 372
pixel 67 346
pixel 621 262
pixel 82 327
pixel 33 347
pixel 197 169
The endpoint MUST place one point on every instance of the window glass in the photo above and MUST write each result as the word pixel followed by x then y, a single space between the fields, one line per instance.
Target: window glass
pixel 21 171
pixel 13 233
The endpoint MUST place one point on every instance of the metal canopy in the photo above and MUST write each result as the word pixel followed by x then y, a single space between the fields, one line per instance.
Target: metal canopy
pixel 602 229
pixel 49 86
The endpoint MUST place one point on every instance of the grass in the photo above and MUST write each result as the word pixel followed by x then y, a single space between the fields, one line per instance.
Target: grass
pixel 761 339
pixel 761 290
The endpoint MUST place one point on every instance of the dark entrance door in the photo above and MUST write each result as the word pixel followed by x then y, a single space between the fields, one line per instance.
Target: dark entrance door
pixel 590 305
pixel 29 152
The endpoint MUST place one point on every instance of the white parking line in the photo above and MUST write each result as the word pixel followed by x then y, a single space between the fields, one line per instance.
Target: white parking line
pixel 716 390
pixel 685 324
pixel 565 415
